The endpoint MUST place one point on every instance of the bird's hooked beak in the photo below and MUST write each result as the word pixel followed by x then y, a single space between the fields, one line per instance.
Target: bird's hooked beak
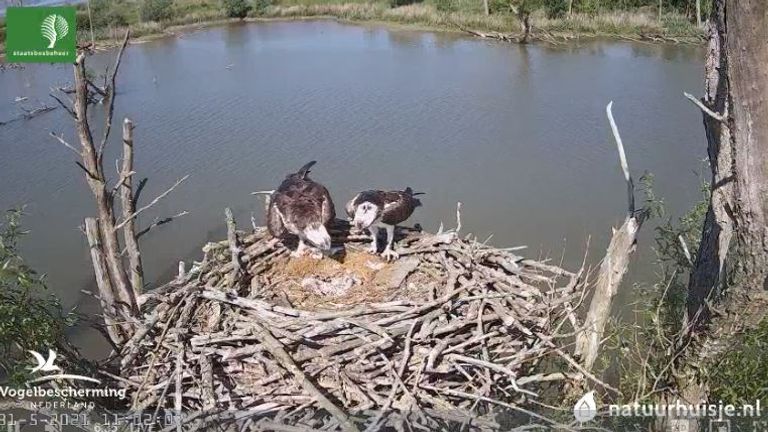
pixel 318 235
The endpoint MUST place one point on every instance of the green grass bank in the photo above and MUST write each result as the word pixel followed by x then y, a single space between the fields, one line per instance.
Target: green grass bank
pixel 107 19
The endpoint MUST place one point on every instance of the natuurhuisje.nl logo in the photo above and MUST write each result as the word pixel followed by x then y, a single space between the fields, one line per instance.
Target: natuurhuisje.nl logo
pixel 41 34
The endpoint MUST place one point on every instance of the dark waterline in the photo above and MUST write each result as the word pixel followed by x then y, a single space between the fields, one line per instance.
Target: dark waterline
pixel 518 134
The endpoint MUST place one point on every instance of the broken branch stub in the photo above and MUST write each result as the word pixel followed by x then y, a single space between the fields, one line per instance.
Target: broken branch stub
pixel 613 266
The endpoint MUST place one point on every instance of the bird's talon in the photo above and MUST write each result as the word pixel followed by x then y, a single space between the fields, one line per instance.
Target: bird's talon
pixel 390 255
pixel 316 254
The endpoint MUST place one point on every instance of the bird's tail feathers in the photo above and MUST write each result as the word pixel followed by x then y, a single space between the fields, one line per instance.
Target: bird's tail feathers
pixel 410 192
pixel 302 173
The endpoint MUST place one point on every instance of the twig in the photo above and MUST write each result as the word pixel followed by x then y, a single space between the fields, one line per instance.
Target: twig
pixel 66 144
pixel 154 201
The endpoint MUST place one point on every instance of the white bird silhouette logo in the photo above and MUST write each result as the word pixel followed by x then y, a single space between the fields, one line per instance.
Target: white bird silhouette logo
pixel 45 365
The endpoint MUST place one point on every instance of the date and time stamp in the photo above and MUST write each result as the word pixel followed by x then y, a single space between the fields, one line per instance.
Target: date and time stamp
pixel 65 422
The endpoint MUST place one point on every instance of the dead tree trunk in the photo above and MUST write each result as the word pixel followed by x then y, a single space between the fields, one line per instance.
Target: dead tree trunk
pixel 128 206
pixel 106 295
pixel 525 21
pixel 612 268
pixel 118 294
pixel 94 170
pixel 486 8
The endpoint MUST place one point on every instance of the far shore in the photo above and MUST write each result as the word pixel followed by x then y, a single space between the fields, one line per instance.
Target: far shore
pixel 626 26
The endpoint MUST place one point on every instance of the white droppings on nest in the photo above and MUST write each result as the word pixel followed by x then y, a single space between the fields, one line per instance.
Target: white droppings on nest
pixel 336 286
pixel 375 265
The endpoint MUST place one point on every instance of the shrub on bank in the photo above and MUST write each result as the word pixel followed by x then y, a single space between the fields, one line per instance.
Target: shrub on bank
pixel 29 318
pixel 108 13
pixel 156 10
pixel 237 8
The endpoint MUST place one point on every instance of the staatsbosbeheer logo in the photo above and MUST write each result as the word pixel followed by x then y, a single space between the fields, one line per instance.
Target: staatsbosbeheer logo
pixel 41 34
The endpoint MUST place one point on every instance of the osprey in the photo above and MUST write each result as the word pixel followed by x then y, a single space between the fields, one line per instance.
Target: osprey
pixel 372 208
pixel 302 207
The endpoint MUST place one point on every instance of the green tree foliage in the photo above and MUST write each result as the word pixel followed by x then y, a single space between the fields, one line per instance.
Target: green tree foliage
pixel 741 375
pixel 556 8
pixel 237 8
pixel 106 13
pixel 156 10
pixel 30 319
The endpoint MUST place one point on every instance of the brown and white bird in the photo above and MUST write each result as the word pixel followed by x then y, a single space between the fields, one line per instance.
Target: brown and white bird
pixel 374 208
pixel 302 207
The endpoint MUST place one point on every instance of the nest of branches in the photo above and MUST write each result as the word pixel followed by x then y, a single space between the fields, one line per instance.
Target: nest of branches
pixel 453 333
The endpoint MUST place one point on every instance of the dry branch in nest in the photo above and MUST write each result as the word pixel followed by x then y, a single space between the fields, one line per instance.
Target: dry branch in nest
pixel 453 333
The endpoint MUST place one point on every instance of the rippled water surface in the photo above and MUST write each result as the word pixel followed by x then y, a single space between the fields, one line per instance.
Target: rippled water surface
pixel 516 133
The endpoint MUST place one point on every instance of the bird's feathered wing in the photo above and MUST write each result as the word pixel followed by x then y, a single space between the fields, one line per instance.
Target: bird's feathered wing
pixel 394 206
pixel 398 206
pixel 299 202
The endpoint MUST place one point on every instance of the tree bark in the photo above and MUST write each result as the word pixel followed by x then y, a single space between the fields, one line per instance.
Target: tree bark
pixel 128 206
pixel 106 295
pixel 486 8
pixel 747 46
pixel 708 275
pixel 103 197
pixel 739 31
pixel 613 267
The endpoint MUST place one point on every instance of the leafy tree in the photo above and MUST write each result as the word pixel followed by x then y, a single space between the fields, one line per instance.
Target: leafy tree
pixel 556 8
pixel 155 10
pixel 106 13
pixel 30 319
pixel 237 8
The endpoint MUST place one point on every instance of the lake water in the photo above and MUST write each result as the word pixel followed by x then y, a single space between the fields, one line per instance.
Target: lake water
pixel 518 134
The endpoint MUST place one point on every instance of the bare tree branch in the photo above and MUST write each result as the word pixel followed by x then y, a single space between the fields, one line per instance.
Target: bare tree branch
pixel 160 221
pixel 154 201
pixel 110 90
pixel 703 107
pixel 622 158
pixel 66 144
pixel 63 105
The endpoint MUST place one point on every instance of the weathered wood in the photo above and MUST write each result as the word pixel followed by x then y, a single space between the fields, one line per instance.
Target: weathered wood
pixel 97 182
pixel 103 283
pixel 235 276
pixel 383 359
pixel 612 268
pixel 276 349
pixel 128 206
pixel 738 65
pixel 708 272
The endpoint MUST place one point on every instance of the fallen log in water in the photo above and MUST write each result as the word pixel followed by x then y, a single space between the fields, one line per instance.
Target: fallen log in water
pixel 450 334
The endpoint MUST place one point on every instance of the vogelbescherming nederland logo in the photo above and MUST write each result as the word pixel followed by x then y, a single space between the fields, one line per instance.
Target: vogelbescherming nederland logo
pixel 41 34
pixel 48 365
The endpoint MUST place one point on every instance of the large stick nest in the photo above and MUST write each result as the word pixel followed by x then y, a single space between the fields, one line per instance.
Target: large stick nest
pixel 452 331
